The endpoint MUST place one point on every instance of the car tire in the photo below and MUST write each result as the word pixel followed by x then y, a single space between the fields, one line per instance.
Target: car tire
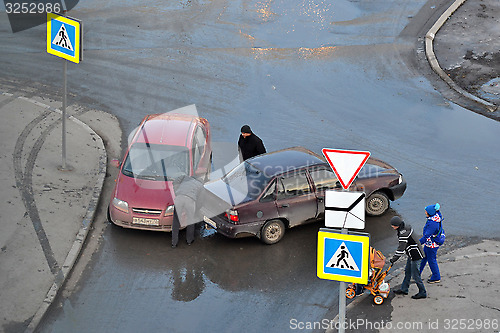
pixel 209 171
pixel 272 232
pixel 109 217
pixel 377 204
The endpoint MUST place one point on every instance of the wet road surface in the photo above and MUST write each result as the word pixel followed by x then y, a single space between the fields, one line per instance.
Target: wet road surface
pixel 315 74
pixel 137 282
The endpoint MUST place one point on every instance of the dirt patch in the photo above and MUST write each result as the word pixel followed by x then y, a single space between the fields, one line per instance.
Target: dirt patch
pixel 453 243
pixel 468 49
pixel 476 70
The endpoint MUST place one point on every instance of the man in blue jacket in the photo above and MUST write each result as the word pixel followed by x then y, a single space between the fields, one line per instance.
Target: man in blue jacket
pixel 431 229
pixel 408 244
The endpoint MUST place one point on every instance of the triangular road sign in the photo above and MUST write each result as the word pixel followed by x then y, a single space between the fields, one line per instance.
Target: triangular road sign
pixel 62 39
pixel 346 163
pixel 342 259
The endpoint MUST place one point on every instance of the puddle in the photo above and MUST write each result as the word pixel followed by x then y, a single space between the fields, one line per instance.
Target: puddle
pixel 491 90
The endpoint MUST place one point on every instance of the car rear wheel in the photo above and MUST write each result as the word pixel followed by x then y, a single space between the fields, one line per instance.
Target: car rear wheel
pixel 377 204
pixel 272 232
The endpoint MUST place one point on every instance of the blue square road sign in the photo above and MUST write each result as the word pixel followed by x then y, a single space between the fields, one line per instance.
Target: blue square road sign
pixel 343 257
pixel 64 37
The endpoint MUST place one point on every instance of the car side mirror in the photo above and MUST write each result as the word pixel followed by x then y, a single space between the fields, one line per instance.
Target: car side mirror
pixel 338 185
pixel 115 163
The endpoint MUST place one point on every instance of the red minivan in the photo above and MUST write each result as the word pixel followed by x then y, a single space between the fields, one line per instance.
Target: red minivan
pixel 163 148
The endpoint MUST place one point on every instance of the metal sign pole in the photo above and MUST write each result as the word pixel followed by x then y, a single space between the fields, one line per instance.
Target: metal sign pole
pixel 346 256
pixel 65 68
pixel 349 164
pixel 342 290
pixel 64 39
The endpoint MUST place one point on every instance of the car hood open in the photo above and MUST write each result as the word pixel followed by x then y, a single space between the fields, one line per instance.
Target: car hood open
pixel 143 193
pixel 226 192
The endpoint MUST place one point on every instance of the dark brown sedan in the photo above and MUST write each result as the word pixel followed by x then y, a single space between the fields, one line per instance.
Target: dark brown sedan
pixel 266 194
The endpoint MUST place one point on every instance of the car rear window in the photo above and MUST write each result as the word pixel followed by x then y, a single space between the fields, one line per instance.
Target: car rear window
pixel 245 178
pixel 156 162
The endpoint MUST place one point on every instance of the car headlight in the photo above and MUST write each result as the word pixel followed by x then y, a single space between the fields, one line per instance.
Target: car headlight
pixel 120 205
pixel 169 210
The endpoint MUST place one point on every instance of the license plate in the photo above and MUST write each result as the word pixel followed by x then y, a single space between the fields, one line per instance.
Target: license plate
pixel 210 222
pixel 144 221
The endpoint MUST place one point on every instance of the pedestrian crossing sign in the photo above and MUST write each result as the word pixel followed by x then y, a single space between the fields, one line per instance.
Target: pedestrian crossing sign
pixel 64 36
pixel 343 257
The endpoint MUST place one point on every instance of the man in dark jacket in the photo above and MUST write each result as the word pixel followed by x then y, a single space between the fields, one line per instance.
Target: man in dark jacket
pixel 408 244
pixel 249 144
pixel 186 190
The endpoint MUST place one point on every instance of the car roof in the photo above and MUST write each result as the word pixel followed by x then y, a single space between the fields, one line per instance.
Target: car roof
pixel 285 160
pixel 167 129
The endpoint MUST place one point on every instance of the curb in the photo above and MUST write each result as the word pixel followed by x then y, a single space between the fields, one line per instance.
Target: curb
pixel 84 228
pixel 431 57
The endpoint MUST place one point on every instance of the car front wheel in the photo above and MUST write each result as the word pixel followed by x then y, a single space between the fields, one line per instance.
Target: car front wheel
pixel 272 232
pixel 210 167
pixel 109 218
pixel 377 204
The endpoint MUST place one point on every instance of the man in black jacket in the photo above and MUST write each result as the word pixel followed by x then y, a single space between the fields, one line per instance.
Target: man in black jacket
pixel 249 144
pixel 408 243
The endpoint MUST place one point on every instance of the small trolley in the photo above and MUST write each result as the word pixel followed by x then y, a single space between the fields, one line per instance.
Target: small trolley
pixel 376 284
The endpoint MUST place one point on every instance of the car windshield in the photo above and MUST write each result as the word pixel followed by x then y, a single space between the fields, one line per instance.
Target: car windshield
pixel 247 180
pixel 371 170
pixel 156 162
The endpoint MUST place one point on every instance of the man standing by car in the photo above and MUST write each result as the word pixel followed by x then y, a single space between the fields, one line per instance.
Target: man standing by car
pixel 186 190
pixel 249 144
pixel 408 244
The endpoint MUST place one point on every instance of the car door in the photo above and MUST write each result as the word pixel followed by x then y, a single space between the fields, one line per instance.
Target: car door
pixel 266 210
pixel 324 179
pixel 295 199
pixel 199 152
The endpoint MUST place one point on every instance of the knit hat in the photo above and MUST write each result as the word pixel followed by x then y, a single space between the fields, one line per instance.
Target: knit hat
pixel 397 221
pixel 246 129
pixel 432 209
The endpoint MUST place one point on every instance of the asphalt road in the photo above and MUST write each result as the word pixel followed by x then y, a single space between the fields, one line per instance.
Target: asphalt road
pixel 318 75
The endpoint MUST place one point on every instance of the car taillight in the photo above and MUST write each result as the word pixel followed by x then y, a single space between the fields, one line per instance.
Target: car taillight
pixel 232 216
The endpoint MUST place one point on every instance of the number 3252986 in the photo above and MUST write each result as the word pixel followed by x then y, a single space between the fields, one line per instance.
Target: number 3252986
pixel 471 324
pixel 32 8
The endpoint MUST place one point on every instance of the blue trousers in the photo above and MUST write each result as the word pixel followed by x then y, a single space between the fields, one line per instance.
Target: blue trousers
pixel 412 270
pixel 431 258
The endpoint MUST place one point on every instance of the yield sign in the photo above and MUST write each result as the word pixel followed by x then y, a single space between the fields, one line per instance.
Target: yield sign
pixel 346 163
